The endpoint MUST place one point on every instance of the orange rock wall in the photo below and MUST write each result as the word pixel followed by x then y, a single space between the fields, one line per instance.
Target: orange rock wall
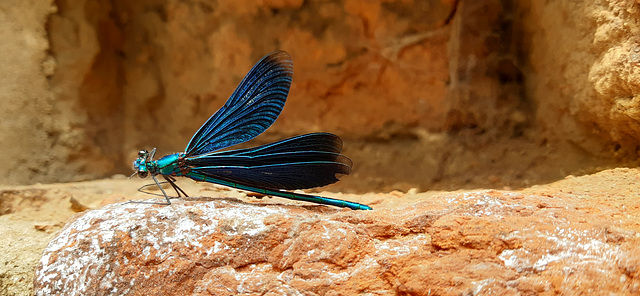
pixel 583 69
pixel 426 94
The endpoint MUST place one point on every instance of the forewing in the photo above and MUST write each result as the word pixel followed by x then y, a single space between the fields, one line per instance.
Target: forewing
pixel 251 109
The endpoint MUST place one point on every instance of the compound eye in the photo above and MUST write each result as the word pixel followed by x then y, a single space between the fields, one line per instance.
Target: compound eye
pixel 143 153
pixel 143 174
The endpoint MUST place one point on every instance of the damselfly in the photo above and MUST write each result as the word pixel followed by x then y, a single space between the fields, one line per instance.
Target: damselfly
pixel 305 161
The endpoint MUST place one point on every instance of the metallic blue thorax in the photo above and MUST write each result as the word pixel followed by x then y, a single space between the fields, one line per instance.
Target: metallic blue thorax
pixel 167 165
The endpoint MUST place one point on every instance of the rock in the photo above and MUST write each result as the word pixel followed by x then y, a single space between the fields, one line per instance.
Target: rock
pixel 538 241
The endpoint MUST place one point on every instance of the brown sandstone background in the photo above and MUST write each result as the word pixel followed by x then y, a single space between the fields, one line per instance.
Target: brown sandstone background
pixel 501 94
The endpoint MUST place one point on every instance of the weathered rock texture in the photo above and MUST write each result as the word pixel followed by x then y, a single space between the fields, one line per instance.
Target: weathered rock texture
pixel 428 94
pixel 28 132
pixel 584 67
pixel 579 236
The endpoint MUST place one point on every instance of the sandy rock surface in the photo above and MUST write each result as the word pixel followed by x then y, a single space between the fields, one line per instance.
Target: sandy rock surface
pixel 578 235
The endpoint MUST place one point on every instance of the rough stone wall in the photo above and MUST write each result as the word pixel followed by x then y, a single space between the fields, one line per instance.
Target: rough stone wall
pixel 583 70
pixel 59 92
pixel 29 150
pixel 359 66
pixel 501 94
pixel 87 86
pixel 486 89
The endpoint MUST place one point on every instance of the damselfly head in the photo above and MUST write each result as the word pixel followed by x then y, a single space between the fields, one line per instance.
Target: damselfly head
pixel 140 164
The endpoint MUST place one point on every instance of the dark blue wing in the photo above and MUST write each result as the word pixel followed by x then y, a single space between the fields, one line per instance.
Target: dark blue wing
pixel 305 161
pixel 251 109
pixel 308 142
